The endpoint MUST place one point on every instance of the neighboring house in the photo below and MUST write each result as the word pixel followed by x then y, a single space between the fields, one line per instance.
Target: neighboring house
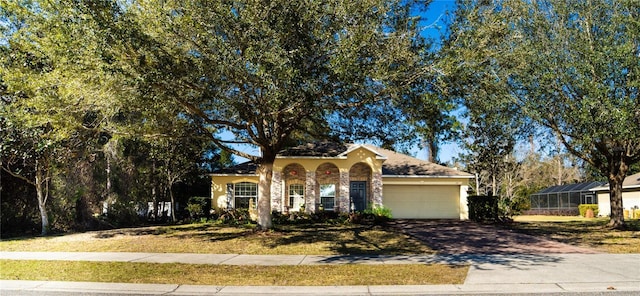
pixel 563 199
pixel 630 196
pixel 349 177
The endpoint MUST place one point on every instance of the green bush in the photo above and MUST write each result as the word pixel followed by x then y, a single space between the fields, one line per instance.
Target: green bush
pixel 483 208
pixel 380 212
pixel 122 214
pixel 232 216
pixel 584 207
pixel 372 215
pixel 198 207
pixel 195 211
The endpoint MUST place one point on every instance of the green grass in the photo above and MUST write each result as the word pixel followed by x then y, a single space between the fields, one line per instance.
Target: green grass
pixel 592 233
pixel 227 275
pixel 315 239
pixel 544 218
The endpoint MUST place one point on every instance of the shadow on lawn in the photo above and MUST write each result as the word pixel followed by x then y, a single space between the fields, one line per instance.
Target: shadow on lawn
pixel 352 239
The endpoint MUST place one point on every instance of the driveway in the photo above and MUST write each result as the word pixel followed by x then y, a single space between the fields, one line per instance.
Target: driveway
pixel 467 237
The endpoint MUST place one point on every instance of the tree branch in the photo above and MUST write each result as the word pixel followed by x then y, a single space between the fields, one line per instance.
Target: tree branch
pixel 18 176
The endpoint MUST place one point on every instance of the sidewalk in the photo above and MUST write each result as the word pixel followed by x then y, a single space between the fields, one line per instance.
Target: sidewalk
pixel 499 274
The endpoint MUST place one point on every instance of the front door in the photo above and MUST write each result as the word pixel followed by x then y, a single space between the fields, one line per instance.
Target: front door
pixel 358 194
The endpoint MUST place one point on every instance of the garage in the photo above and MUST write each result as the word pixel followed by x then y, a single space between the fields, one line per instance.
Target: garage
pixel 422 201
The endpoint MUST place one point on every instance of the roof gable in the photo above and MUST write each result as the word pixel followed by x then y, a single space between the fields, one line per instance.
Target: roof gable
pixel 354 147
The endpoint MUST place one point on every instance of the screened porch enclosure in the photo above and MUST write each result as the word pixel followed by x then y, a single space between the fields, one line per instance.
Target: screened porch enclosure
pixel 563 199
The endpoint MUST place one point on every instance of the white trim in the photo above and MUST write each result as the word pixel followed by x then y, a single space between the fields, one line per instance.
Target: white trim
pixel 311 157
pixel 384 176
pixel 234 175
pixel 427 177
pixel 356 146
pixel 606 188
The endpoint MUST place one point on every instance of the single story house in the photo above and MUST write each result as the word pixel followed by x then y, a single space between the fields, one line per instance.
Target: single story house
pixel 348 177
pixel 630 196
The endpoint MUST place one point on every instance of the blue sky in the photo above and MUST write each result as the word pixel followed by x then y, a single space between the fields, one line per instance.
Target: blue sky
pixel 433 25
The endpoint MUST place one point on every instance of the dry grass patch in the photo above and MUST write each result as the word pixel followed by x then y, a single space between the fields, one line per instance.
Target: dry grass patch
pixel 592 233
pixel 314 239
pixel 227 275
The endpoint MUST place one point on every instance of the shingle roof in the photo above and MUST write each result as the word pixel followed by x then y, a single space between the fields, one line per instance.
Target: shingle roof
pixel 633 180
pixel 630 182
pixel 398 164
pixel 317 149
pixel 245 168
pixel 577 187
pixel 395 164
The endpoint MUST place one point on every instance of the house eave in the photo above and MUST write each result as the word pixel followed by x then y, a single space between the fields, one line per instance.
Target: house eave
pixel 323 157
pixel 427 177
pixel 606 188
pixel 233 175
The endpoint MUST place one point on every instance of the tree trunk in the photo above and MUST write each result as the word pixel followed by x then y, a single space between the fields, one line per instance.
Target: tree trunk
pixel 264 194
pixel 42 194
pixel 108 170
pixel 173 204
pixel 154 192
pixel 560 167
pixel 618 169
pixel 615 198
pixel 432 151
pixel 494 184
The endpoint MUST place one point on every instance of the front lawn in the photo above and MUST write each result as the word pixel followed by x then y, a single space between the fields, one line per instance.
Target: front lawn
pixel 592 233
pixel 311 239
pixel 227 275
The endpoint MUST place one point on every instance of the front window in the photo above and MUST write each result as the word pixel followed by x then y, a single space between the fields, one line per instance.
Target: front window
pixel 296 196
pixel 328 196
pixel 244 192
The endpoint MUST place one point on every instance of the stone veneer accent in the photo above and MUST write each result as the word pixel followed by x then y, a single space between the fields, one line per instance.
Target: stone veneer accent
pixel 343 199
pixel 310 195
pixel 377 189
pixel 276 191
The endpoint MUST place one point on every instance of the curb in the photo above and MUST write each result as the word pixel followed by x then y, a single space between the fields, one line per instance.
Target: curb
pixel 174 289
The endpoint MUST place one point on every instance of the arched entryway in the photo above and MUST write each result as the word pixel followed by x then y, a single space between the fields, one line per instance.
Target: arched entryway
pixel 360 190
pixel 327 186
pixel 294 187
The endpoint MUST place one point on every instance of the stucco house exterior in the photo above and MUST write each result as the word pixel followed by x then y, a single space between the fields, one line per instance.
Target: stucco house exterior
pixel 349 177
pixel 630 196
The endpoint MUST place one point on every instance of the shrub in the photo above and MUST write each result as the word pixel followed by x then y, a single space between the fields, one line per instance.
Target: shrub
pixel 372 215
pixel 232 216
pixel 295 218
pixel 122 214
pixel 198 207
pixel 483 208
pixel 195 211
pixel 584 207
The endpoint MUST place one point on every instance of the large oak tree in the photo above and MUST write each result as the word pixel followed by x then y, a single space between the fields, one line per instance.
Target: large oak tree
pixel 251 71
pixel 571 67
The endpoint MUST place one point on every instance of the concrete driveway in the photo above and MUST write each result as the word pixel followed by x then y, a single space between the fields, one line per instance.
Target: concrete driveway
pixel 467 237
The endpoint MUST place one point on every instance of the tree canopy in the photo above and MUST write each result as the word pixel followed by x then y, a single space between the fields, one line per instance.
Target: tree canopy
pixel 249 72
pixel 571 67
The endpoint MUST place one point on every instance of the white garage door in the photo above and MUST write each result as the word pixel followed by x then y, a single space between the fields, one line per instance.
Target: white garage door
pixel 422 201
